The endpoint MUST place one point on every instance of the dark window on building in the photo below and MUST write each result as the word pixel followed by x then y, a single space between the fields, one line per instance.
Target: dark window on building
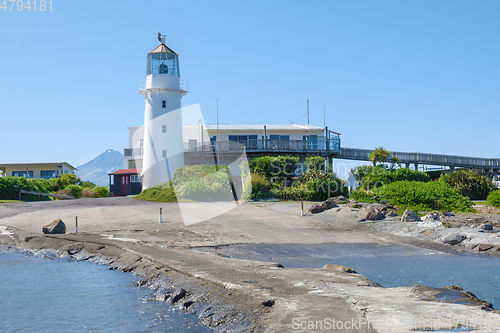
pixel 22 174
pixel 47 174
pixel 164 104
pixel 274 137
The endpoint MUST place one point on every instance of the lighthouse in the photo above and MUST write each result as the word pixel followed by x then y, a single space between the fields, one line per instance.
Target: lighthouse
pixel 162 90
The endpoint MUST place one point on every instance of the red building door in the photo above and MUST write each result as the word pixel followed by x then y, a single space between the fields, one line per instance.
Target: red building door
pixel 125 182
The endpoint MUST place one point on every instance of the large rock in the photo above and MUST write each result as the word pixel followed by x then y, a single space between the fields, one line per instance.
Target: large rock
pixel 486 227
pixel 353 204
pixel 432 216
pixel 370 213
pixel 56 227
pixel 454 239
pixel 338 199
pixel 410 216
pixel 315 209
pixel 391 213
pixel 328 204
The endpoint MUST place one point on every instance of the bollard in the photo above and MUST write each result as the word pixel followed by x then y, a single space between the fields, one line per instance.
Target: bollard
pixel 76 224
pixel 301 208
pixel 160 216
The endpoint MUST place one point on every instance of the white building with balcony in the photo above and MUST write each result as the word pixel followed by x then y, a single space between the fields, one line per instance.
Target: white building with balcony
pixel 256 140
pixel 36 170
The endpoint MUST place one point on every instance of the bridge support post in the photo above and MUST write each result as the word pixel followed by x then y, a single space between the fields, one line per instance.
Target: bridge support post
pixel 407 165
pixel 416 166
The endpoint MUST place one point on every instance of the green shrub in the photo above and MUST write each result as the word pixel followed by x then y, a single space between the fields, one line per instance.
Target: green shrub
pixel 410 175
pixel 420 196
pixel 297 192
pixel 157 194
pixel 101 191
pixel 279 168
pixel 362 196
pixel 323 188
pixel 10 187
pixel 88 185
pixel 203 183
pixel 260 186
pixel 66 179
pixel 494 199
pixel 435 174
pixel 469 183
pixel 313 185
pixel 378 177
pixel 76 190
pixel 315 163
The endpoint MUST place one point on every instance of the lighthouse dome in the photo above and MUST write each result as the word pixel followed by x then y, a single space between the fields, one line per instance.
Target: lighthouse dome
pixel 163 60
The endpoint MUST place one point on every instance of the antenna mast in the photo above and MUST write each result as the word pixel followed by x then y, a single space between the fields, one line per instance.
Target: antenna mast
pixel 308 112
pixel 218 133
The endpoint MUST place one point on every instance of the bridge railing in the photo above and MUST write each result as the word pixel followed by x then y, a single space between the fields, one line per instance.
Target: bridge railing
pixel 321 145
pixel 426 158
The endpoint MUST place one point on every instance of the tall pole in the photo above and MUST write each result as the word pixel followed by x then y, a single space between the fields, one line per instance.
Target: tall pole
pixel 308 111
pixel 218 133
pixel 324 116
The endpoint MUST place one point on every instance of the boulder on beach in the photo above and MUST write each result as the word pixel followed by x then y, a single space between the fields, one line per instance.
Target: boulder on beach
pixel 328 204
pixel 391 213
pixel 315 209
pixel 410 216
pixel 353 204
pixel 432 216
pixel 486 227
pixel 454 239
pixel 370 213
pixel 338 268
pixel 56 227
pixel 338 199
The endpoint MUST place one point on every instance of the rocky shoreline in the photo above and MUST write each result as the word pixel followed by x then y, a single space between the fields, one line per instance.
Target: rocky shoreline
pixel 233 295
pixel 468 232
pixel 172 286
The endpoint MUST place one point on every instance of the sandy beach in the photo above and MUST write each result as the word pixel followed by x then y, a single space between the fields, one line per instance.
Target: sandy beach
pixel 235 295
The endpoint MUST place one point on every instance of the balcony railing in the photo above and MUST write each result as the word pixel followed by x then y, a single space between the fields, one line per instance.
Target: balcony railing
pixel 319 145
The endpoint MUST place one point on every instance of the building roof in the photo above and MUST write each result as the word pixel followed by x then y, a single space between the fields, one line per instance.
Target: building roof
pixel 291 127
pixel 162 48
pixel 126 172
pixel 9 165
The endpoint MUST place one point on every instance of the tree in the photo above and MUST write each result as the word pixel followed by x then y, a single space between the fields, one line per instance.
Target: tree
pixel 379 155
pixel 395 161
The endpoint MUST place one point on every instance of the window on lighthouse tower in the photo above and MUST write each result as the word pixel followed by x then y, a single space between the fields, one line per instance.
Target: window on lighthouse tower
pixel 164 104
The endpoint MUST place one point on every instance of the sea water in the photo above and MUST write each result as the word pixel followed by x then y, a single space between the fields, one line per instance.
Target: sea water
pixel 388 265
pixel 61 295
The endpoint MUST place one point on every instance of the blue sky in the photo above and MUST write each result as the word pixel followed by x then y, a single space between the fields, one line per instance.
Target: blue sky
pixel 406 75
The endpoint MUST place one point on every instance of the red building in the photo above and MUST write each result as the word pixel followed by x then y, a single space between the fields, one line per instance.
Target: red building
pixel 125 182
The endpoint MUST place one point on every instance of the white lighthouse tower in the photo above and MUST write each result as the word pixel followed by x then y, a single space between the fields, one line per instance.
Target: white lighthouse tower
pixel 163 147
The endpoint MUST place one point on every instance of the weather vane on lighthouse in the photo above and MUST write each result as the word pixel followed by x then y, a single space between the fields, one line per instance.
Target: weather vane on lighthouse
pixel 161 38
